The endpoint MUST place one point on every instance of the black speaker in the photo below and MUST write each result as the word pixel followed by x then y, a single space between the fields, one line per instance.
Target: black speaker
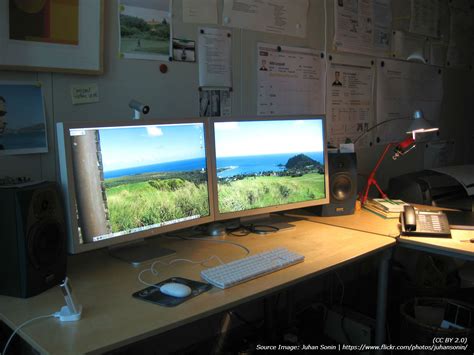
pixel 32 240
pixel 342 186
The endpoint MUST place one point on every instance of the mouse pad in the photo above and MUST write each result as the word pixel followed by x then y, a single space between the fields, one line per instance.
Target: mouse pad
pixel 154 295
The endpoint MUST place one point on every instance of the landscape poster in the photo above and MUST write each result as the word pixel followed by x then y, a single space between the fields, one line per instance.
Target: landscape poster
pixel 268 163
pixel 145 31
pixel 22 118
pixel 154 175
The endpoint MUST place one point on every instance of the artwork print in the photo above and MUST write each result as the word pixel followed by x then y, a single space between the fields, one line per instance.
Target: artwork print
pixel 49 21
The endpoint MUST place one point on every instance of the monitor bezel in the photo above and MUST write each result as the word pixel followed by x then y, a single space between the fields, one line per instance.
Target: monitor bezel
pixel 270 209
pixel 66 178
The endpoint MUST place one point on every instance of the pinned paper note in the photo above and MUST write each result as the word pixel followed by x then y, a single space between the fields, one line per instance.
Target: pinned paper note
pixel 84 94
pixel 202 11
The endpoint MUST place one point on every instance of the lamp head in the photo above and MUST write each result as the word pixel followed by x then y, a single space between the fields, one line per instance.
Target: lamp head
pixel 419 124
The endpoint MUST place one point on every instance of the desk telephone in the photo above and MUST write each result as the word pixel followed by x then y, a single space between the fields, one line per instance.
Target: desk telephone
pixel 421 223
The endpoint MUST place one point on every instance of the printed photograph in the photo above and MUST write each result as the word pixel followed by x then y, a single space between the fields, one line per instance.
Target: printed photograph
pixel 215 103
pixel 145 29
pixel 268 163
pixel 22 119
pixel 151 175
pixel 184 50
pixel 50 21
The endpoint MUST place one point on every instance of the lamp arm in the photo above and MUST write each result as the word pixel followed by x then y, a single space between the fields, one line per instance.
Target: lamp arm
pixel 371 179
pixel 379 124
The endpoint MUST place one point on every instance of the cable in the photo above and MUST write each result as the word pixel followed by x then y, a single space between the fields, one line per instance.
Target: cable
pixel 247 250
pixel 343 315
pixel 243 230
pixel 21 326
pixel 407 118
pixel 155 272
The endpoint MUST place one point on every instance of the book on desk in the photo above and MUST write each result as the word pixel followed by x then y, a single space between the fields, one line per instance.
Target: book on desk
pixel 384 207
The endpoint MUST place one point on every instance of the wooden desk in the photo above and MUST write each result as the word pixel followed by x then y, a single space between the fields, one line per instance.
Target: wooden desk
pixel 366 221
pixel 457 247
pixel 363 220
pixel 112 318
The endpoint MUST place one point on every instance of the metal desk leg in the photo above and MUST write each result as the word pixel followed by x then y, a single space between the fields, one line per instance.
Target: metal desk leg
pixel 269 319
pixel 382 298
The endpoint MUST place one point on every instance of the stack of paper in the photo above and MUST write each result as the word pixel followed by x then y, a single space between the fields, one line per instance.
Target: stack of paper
pixel 385 207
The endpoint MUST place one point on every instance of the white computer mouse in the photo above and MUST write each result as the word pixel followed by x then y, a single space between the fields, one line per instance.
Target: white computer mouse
pixel 175 289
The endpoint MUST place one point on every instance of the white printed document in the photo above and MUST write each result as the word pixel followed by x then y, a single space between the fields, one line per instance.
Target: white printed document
pixel 350 92
pixel 424 19
pixel 201 11
pixel 285 17
pixel 214 53
pixel 290 80
pixel 403 87
pixel 362 26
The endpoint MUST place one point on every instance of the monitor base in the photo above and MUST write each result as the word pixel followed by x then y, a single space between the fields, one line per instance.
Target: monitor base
pixel 215 229
pixel 139 252
pixel 279 221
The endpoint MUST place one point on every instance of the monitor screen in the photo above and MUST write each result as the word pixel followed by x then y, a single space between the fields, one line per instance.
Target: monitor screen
pixel 124 181
pixel 268 165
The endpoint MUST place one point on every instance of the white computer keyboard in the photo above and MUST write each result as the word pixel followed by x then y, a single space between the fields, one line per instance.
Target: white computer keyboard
pixel 250 267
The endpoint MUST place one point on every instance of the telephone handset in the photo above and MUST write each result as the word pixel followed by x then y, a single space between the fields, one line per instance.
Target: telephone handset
pixel 424 223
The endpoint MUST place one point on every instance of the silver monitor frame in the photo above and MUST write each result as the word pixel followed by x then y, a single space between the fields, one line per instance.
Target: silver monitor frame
pixel 271 209
pixel 68 183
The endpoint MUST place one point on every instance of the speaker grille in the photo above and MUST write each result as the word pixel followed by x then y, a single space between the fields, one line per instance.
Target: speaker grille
pixel 44 203
pixel 45 243
pixel 342 187
pixel 32 239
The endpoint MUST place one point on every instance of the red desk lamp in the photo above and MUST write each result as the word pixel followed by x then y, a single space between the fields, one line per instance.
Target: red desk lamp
pixel 419 125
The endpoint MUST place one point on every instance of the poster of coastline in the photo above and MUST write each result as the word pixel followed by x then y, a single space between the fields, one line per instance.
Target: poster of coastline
pixel 154 175
pixel 22 118
pixel 268 163
pixel 145 31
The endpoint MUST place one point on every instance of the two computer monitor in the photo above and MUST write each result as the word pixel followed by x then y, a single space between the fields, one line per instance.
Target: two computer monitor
pixel 129 180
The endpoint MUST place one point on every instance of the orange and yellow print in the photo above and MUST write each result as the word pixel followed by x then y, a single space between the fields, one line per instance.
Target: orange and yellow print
pixel 50 21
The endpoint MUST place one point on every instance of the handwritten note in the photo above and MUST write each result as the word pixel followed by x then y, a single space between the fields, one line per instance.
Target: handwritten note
pixel 84 94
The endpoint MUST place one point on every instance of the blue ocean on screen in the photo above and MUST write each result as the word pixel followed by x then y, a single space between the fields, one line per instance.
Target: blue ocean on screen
pixel 180 165
pixel 259 163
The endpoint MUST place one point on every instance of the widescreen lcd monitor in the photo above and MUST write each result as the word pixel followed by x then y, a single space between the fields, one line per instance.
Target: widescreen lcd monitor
pixel 265 165
pixel 128 180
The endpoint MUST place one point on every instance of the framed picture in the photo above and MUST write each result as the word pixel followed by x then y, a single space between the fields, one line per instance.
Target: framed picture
pixel 22 118
pixel 52 35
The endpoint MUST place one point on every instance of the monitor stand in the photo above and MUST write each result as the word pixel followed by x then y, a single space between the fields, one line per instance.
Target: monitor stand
pixel 139 251
pixel 270 219
pixel 215 229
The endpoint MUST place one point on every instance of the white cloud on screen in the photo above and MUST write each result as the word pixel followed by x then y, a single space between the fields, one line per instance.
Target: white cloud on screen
pixel 227 126
pixel 154 131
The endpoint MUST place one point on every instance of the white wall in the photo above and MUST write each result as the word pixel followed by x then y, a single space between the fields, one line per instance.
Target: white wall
pixel 175 94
